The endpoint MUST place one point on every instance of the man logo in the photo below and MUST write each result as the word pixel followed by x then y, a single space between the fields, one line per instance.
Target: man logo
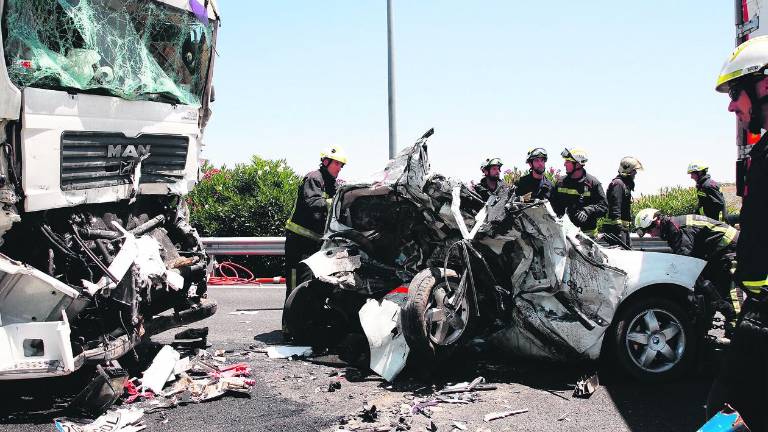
pixel 128 151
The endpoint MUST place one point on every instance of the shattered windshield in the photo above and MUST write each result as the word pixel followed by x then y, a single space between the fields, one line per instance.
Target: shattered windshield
pixel 135 50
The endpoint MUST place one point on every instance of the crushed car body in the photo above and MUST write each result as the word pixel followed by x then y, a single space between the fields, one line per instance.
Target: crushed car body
pixel 506 270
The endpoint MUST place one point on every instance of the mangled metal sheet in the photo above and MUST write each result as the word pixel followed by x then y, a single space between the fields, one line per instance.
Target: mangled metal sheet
pixel 36 350
pixel 566 296
pixel 389 350
pixel 29 295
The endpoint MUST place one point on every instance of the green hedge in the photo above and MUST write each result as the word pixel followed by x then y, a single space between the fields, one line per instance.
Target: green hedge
pixel 673 201
pixel 249 200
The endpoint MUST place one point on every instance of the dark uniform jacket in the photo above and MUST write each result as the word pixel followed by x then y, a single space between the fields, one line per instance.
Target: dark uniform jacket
pixel 710 198
pixel 538 188
pixel 311 208
pixel 698 236
pixel 620 201
pixel 585 194
pixel 752 252
pixel 485 192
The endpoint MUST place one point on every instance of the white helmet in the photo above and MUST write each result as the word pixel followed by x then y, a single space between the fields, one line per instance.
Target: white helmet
pixel 645 218
pixel 629 164
pixel 749 58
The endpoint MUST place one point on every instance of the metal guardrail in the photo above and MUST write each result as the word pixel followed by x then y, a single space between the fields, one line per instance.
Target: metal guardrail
pixel 264 246
pixel 273 246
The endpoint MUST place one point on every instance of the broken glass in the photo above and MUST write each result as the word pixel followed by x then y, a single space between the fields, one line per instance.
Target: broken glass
pixel 135 50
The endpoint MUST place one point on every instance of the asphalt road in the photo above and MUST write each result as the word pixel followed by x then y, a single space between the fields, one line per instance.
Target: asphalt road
pixel 293 396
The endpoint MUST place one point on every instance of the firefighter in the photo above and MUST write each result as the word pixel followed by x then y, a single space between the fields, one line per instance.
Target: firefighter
pixel 700 237
pixel 535 182
pixel 743 378
pixel 579 194
pixel 711 200
pixel 491 182
pixel 620 189
pixel 306 225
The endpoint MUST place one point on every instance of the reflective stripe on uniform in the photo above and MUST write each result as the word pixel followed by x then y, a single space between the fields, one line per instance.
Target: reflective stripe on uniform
pixel 570 191
pixel 295 228
pixel 623 223
pixel 300 230
pixel 734 294
pixel 729 233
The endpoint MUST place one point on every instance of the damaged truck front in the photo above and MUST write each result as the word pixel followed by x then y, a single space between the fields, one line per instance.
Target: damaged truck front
pixel 102 111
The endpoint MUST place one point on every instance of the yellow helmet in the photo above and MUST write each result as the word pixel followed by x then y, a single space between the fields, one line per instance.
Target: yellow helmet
pixel 629 164
pixel 575 154
pixel 335 153
pixel 749 58
pixel 696 167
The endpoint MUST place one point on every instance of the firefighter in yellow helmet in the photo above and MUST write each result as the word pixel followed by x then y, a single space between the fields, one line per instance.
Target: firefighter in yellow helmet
pixel 619 220
pixel 743 381
pixel 579 194
pixel 306 225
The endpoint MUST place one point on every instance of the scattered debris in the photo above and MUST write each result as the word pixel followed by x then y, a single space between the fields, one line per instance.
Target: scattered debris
pixel 244 312
pixel 459 425
pixel 564 417
pixel 476 384
pixel 585 387
pixel 134 393
pixel 333 386
pixel 432 426
pixel 101 393
pixel 369 413
pixel 452 400
pixel 161 369
pixel 499 415
pixel 119 420
pixel 286 351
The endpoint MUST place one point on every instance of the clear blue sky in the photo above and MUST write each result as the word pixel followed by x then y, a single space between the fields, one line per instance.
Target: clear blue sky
pixel 494 78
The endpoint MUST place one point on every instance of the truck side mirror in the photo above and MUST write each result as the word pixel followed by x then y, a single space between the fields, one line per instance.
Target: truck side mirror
pixel 213 94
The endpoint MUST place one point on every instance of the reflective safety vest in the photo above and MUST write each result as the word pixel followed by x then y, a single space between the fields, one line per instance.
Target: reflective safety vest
pixel 310 209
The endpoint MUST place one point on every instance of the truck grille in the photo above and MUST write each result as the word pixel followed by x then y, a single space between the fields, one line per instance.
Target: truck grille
pixel 101 159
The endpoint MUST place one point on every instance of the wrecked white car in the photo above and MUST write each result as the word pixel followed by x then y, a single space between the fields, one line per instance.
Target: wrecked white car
pixel 506 270
pixel 102 111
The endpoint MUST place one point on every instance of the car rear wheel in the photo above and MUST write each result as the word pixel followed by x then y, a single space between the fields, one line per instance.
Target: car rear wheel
pixel 654 339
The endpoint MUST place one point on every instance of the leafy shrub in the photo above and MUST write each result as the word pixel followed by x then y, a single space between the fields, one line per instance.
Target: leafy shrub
pixel 249 200
pixel 511 176
pixel 674 201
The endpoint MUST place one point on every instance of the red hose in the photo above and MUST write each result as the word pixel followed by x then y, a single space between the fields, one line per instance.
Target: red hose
pixel 228 275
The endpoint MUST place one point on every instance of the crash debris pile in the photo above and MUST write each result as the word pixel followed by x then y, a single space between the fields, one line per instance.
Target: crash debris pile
pixel 171 380
pixel 422 402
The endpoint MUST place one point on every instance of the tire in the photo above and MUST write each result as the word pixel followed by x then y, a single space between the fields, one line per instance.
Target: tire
pixel 654 339
pixel 425 337
pixel 308 318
